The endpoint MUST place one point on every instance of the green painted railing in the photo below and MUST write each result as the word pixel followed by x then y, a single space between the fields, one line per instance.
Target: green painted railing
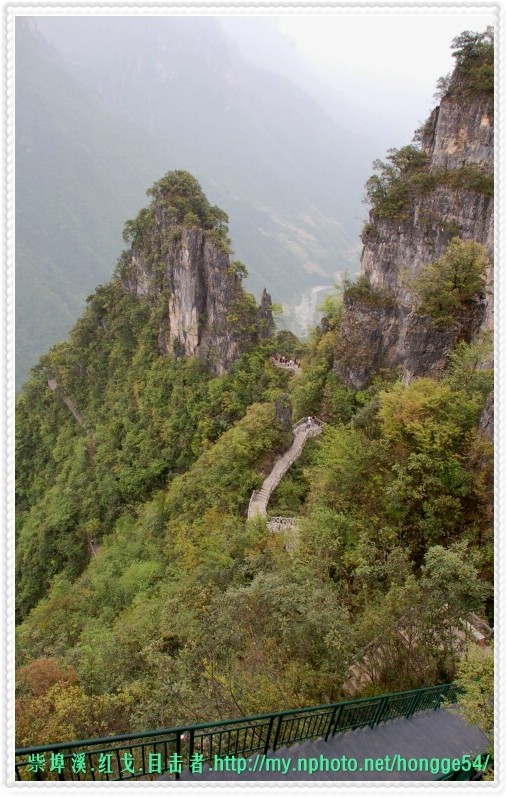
pixel 146 756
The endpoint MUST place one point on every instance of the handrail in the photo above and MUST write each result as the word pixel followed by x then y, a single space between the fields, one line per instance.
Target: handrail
pixel 303 420
pixel 283 520
pixel 252 499
pixel 240 736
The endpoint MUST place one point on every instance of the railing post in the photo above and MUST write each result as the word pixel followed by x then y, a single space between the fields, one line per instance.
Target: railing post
pixel 338 717
pixel 191 748
pixel 379 711
pixel 414 704
pixel 442 694
pixel 331 723
pixel 178 753
pixel 268 737
pixel 278 731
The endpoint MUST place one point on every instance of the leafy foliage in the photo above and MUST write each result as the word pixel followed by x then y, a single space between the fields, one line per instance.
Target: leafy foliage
pixel 179 195
pixel 147 418
pixel 53 704
pixel 474 66
pixel 369 233
pixel 390 189
pixel 189 612
pixel 405 176
pixel 474 57
pixel 475 677
pixel 449 284
pixel 362 291
pixel 288 345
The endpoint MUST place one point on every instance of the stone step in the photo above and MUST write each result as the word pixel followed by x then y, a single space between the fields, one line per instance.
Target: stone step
pixel 431 735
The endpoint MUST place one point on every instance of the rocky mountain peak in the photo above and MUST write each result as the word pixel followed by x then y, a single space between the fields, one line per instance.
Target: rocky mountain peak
pixel 423 198
pixel 179 259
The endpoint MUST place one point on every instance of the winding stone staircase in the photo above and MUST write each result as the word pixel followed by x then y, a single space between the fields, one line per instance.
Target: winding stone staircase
pixel 302 430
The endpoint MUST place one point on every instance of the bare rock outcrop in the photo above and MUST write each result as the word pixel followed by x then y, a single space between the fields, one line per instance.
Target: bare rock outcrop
pixel 381 328
pixel 181 263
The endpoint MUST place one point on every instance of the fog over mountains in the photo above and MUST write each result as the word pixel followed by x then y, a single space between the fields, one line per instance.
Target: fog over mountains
pixel 106 105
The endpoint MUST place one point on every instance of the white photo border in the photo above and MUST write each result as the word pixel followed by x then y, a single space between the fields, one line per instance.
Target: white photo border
pixel 7 350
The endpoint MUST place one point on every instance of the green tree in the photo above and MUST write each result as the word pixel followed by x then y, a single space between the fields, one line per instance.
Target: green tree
pixel 470 368
pixel 388 191
pixel 179 195
pixel 408 636
pixel 448 285
pixel 238 269
pixel 475 677
pixel 474 56
pixel 53 706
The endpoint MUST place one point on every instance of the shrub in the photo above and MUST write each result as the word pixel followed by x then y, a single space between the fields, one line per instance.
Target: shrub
pixel 362 291
pixel 388 191
pixel 474 67
pixel 445 286
pixel 393 189
pixel 238 269
pixel 184 202
pixel 369 232
pixel 474 56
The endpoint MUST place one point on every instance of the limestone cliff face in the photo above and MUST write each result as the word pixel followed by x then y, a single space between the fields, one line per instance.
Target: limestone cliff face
pixel 185 272
pixel 383 330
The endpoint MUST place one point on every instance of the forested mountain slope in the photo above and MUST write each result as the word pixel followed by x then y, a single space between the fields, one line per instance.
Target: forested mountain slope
pixel 182 610
pixel 77 178
pixel 174 315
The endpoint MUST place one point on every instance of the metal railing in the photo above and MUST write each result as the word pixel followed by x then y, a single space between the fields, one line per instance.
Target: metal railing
pixel 284 522
pixel 147 756
pixel 316 424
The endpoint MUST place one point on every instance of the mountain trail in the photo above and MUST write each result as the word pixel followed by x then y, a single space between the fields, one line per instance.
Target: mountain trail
pixel 303 429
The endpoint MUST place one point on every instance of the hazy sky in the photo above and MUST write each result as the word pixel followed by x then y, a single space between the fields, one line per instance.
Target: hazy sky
pixel 388 64
pixel 384 55
pixel 405 46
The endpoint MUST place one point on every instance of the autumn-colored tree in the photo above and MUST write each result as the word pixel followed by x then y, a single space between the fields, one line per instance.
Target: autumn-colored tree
pixel 53 707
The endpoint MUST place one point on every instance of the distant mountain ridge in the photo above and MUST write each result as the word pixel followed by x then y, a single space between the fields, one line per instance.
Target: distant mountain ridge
pixel 73 193
pixel 116 101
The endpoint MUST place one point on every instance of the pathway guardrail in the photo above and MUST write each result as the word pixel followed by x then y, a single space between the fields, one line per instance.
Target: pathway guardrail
pixel 172 750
